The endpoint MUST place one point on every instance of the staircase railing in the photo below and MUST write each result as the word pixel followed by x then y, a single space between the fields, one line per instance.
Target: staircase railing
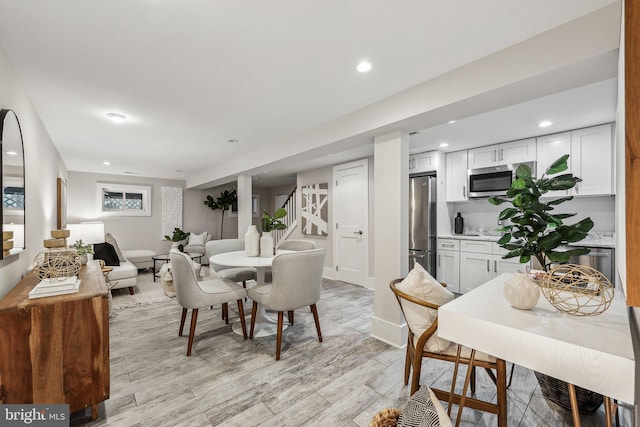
pixel 290 220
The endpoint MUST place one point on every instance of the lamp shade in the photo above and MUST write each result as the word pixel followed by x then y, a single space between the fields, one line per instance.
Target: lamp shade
pixel 88 232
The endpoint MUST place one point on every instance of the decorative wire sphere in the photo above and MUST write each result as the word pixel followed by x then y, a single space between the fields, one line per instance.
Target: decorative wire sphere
pixel 577 289
pixel 56 263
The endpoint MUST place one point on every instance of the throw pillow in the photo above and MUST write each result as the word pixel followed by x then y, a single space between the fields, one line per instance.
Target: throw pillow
pixel 422 285
pixel 424 410
pixel 112 241
pixel 197 239
pixel 107 253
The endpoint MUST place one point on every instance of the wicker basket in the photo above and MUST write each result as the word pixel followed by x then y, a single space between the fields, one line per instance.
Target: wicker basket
pixel 557 391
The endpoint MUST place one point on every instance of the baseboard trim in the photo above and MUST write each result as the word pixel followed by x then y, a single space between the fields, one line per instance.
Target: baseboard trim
pixel 389 333
pixel 371 283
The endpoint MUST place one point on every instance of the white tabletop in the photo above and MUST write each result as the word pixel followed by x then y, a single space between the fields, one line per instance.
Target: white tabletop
pixel 593 352
pixel 239 259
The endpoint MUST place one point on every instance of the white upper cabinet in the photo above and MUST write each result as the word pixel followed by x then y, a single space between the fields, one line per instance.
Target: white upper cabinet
pixel 591 160
pixel 520 151
pixel 423 162
pixel 456 174
pixel 551 148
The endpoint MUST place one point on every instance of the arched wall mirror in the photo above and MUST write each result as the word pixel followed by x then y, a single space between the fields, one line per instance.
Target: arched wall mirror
pixel 13 184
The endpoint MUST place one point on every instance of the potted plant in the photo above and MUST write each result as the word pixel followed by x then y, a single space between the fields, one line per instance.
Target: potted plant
pixel 268 224
pixel 177 236
pixel 223 202
pixel 537 231
pixel 82 250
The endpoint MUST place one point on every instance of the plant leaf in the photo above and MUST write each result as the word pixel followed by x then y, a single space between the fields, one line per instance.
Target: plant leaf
pixel 523 171
pixel 558 166
pixel 504 239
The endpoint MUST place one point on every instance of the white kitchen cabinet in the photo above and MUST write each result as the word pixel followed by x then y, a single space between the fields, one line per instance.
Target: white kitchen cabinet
pixel 591 160
pixel 481 261
pixel 423 162
pixel 550 148
pixel 448 264
pixel 456 174
pixel 503 154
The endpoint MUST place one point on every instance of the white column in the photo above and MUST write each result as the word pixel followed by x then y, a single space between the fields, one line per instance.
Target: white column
pixel 391 227
pixel 244 204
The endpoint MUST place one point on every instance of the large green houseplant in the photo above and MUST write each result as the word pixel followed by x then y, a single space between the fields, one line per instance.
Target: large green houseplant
pixel 223 202
pixel 537 231
pixel 270 223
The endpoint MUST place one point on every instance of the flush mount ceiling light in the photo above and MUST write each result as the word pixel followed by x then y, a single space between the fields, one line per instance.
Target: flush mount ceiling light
pixel 106 163
pixel 364 66
pixel 544 124
pixel 444 144
pixel 118 118
pixel 450 122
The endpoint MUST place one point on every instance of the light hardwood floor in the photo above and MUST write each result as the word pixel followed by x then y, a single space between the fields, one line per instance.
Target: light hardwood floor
pixel 227 381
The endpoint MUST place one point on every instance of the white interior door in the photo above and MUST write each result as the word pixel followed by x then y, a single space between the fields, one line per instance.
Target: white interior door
pixel 351 221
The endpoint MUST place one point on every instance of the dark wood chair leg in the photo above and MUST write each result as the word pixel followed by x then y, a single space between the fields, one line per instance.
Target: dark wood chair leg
pixel 131 291
pixel 417 367
pixel 467 379
pixel 192 330
pixel 225 312
pixel 279 335
pixel 501 384
pixel 407 364
pixel 473 380
pixel 182 319
pixel 254 311
pixel 290 315
pixel 314 310
pixel 242 321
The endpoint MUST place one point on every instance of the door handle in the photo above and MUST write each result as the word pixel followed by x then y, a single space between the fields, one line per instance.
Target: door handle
pixel 501 154
pixel 416 256
pixel 439 260
pixel 464 191
pixel 488 267
pixel 358 232
pixel 495 266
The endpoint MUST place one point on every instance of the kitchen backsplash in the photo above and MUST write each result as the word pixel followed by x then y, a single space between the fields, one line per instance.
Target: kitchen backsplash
pixel 480 217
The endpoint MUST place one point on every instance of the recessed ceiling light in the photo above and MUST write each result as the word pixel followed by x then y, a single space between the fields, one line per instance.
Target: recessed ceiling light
pixel 106 163
pixel 544 124
pixel 364 66
pixel 116 117
pixel 444 144
pixel 11 153
pixel 451 122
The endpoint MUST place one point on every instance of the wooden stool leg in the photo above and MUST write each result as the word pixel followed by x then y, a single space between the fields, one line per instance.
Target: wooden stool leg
pixel 574 405
pixel 467 379
pixel 453 381
pixel 94 412
pixel 607 411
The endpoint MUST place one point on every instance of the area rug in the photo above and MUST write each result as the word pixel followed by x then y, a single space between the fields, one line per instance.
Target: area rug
pixel 146 292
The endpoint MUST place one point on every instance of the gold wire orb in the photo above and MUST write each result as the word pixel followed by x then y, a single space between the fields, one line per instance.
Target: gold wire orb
pixel 56 263
pixel 577 289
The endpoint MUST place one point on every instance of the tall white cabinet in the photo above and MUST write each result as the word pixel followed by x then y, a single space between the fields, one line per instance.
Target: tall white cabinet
pixel 456 175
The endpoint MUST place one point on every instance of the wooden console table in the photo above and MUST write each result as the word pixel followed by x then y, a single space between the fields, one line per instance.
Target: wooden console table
pixel 55 350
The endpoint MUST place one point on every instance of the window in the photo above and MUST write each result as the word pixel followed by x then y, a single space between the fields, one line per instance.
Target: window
pixel 124 200
pixel 13 197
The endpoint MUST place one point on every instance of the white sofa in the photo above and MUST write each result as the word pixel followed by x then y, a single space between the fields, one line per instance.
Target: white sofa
pixel 124 275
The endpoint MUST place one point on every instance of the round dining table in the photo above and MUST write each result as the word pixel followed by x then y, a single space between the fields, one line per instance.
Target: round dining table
pixel 265 325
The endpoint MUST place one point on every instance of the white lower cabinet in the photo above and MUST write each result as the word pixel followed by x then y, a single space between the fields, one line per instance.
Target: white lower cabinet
pixel 467 264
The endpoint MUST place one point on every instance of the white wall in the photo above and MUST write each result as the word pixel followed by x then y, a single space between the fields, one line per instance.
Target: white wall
pixel 43 165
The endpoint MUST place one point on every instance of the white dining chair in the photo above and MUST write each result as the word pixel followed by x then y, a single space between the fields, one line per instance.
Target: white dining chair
pixel 193 294
pixel 297 282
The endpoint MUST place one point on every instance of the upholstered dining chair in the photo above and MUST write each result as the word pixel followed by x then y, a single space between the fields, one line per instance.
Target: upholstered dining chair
pixel 297 282
pixel 417 349
pixel 291 245
pixel 236 274
pixel 193 294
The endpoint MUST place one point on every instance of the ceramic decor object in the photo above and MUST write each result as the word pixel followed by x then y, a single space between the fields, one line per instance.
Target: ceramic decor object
pixel 252 241
pixel 521 292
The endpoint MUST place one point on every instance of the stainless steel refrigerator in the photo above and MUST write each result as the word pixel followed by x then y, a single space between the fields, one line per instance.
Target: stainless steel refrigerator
pixel 422 222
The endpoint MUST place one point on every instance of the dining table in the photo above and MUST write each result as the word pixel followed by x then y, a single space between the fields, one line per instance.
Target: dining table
pixel 265 325
pixel 594 352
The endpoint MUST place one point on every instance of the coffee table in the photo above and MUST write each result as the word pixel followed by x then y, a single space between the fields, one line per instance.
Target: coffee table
pixel 166 258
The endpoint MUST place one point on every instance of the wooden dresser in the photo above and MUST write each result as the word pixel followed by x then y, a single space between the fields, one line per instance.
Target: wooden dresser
pixel 55 350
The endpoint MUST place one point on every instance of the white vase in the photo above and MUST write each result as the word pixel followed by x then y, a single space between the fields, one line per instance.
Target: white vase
pixel 266 244
pixel 521 292
pixel 252 241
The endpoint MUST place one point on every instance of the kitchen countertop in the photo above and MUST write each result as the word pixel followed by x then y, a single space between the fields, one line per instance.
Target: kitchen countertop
pixel 593 240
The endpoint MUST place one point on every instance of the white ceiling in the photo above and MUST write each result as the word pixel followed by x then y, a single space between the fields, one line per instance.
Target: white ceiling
pixel 190 75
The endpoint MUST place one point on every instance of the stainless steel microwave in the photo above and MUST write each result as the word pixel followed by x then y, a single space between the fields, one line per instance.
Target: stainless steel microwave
pixel 494 180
